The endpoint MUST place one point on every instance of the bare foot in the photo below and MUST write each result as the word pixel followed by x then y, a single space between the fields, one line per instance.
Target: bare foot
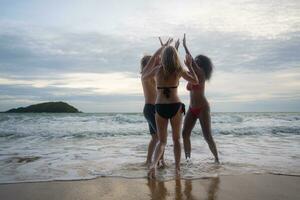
pixel 162 164
pixel 151 173
pixel 217 161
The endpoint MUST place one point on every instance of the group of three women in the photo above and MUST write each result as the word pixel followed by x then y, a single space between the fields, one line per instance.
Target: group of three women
pixel 161 73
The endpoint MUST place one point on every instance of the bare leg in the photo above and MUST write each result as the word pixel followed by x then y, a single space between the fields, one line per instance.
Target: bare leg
pixel 188 125
pixel 162 125
pixel 162 163
pixel 151 148
pixel 176 130
pixel 205 122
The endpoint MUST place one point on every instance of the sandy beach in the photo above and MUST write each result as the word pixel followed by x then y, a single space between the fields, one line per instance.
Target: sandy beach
pixel 225 187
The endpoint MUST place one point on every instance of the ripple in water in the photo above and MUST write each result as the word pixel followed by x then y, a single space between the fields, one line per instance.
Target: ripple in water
pixel 38 147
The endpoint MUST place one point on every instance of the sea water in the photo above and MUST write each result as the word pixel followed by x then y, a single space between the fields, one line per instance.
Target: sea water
pixel 41 147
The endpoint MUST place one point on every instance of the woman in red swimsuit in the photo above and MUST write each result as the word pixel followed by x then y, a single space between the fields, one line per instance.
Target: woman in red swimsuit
pixel 199 106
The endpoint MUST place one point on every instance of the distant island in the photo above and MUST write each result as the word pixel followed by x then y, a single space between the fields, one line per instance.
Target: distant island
pixel 47 107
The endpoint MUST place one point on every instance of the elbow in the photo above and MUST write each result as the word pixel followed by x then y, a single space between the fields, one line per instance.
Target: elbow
pixel 195 81
pixel 193 78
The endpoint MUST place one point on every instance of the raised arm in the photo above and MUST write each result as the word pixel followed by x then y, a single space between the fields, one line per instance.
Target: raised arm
pixel 151 71
pixel 190 75
pixel 193 64
pixel 177 43
pixel 152 65
pixel 147 71
pixel 184 45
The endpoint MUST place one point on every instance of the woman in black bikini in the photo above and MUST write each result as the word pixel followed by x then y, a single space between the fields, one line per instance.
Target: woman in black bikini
pixel 168 105
pixel 199 106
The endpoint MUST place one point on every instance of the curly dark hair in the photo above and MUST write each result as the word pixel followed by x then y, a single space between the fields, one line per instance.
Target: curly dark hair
pixel 205 63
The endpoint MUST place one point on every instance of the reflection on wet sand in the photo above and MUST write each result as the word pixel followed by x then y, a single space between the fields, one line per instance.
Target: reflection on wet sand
pixel 184 189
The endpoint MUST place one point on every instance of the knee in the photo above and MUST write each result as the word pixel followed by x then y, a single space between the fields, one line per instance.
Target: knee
pixel 176 140
pixel 208 138
pixel 154 138
pixel 162 141
pixel 185 135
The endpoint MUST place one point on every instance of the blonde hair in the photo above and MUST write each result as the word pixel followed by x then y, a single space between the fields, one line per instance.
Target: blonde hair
pixel 145 59
pixel 170 61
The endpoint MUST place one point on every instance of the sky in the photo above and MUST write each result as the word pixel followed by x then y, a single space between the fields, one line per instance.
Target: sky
pixel 87 53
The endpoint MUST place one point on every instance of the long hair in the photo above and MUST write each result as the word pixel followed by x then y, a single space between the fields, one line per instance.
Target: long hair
pixel 170 61
pixel 145 59
pixel 205 63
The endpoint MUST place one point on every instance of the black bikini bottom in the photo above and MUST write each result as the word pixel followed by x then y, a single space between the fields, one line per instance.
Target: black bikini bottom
pixel 169 110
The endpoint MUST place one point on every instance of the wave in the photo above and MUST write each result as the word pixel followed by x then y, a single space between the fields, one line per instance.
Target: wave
pixel 133 118
pixel 100 134
pixel 250 131
pixel 286 130
pixel 11 135
pixel 227 119
pixel 139 130
pixel 22 160
pixel 189 171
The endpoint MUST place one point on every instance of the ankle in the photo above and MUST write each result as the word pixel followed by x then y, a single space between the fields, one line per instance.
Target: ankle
pixel 187 155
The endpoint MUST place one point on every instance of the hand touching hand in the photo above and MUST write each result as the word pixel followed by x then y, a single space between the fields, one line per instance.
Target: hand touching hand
pixel 169 41
pixel 161 42
pixel 177 44
pixel 184 41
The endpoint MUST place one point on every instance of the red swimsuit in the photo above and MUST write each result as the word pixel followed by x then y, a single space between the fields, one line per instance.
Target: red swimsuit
pixel 190 87
pixel 196 110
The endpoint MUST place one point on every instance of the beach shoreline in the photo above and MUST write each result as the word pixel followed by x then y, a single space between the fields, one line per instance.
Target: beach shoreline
pixel 251 186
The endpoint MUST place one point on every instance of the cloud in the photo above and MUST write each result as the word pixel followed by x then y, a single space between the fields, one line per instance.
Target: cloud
pixel 113 88
pixel 253 44
pixel 40 50
pixel 256 19
pixel 97 83
pixel 251 86
pixel 37 51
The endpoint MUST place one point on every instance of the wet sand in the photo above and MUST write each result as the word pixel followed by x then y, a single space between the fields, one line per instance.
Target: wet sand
pixel 238 187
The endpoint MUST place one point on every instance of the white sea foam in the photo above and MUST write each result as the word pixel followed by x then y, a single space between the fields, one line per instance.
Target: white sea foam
pixel 39 147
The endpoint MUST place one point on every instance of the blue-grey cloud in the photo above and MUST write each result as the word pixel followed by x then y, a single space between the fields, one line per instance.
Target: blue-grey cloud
pixel 23 53
pixel 37 55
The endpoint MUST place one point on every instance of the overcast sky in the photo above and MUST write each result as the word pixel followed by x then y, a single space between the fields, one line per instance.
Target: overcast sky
pixel 87 52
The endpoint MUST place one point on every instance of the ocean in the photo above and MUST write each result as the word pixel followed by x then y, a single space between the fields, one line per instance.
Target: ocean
pixel 43 147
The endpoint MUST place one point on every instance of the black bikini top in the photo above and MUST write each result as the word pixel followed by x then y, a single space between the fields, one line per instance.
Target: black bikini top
pixel 166 90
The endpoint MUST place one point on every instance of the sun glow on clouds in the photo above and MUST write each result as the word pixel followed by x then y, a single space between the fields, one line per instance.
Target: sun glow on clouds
pixel 254 86
pixel 98 83
pixel 239 86
pixel 90 51
pixel 106 83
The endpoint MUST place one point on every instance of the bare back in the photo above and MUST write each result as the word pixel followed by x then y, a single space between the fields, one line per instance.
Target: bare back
pixel 149 89
pixel 171 81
